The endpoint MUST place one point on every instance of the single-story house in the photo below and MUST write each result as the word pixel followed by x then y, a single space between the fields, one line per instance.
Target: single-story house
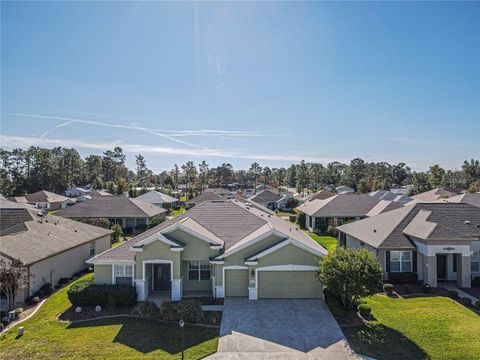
pixel 321 195
pixel 435 194
pixel 390 196
pixel 77 191
pixel 338 209
pixel 227 194
pixel 437 241
pixel 132 214
pixel 44 200
pixel 466 198
pixel 344 190
pixel 159 199
pixel 51 247
pixel 221 248
pixel 271 199
pixel 206 196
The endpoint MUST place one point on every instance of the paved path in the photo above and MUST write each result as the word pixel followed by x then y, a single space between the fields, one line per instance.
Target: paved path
pixel 461 293
pixel 280 329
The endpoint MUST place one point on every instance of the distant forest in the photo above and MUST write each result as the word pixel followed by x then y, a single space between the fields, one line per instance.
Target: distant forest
pixel 26 171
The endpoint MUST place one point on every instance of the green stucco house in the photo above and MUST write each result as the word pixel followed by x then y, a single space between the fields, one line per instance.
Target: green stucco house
pixel 218 248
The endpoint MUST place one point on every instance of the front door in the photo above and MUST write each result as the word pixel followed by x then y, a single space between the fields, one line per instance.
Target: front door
pixel 161 277
pixel 441 267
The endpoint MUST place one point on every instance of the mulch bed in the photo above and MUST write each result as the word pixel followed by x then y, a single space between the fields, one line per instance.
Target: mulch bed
pixel 204 300
pixel 88 312
pixel 351 318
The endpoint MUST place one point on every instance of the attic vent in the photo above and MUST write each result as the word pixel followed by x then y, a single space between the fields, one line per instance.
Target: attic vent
pixel 374 230
pixel 467 222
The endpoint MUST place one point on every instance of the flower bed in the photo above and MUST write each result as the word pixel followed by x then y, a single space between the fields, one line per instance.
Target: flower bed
pixel 88 312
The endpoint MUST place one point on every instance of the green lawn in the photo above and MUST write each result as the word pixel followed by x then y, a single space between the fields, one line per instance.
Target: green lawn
pixel 417 328
pixel 177 211
pixel 121 338
pixel 284 213
pixel 328 242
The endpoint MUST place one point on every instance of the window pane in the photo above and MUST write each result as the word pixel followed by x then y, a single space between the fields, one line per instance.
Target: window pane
pixel 193 265
pixel 406 255
pixel 205 274
pixel 192 274
pixel 394 266
pixel 394 255
pixel 122 280
pixel 406 266
pixel 205 265
pixel 128 271
pixel 119 270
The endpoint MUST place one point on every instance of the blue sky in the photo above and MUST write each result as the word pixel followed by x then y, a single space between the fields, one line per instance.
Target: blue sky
pixel 239 82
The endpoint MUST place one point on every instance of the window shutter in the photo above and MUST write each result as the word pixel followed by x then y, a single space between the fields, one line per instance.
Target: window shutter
pixel 387 260
pixel 414 255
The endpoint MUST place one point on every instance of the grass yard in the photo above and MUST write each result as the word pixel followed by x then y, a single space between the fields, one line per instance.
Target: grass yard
pixel 121 338
pixel 417 328
pixel 328 242
pixel 175 212
pixel 284 213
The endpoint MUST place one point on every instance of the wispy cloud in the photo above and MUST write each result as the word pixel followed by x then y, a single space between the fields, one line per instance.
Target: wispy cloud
pixel 416 141
pixel 25 141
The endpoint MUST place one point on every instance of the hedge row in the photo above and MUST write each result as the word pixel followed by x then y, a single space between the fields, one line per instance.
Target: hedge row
pixel 85 293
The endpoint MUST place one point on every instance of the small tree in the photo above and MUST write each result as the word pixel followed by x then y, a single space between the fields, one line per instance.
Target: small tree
pixel 350 275
pixel 302 220
pixel 155 221
pixel 117 232
pixel 13 276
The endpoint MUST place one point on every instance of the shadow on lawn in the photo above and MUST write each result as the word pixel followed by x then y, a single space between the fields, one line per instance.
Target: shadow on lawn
pixel 382 342
pixel 147 335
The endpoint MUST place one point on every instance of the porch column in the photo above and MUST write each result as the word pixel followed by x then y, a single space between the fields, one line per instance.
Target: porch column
pixel 430 277
pixel 464 274
pixel 176 289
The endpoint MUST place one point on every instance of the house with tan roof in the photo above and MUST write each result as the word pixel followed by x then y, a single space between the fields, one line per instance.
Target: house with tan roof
pixel 44 200
pixel 438 241
pixel 220 248
pixel 49 246
pixel 158 199
pixel 435 194
pixel 133 215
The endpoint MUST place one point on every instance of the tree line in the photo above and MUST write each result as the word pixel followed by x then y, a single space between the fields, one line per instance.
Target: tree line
pixel 24 171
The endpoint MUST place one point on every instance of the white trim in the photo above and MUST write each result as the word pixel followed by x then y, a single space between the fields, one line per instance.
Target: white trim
pixel 289 267
pixel 114 278
pixel 260 237
pixel 283 244
pixel 111 262
pixel 154 237
pixel 251 263
pixel 217 262
pixel 176 249
pixel 157 261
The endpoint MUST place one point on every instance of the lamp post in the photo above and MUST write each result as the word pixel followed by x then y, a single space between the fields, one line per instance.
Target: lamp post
pixel 181 323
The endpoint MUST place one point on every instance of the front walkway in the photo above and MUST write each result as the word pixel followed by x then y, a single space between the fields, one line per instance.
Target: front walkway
pixel 283 329
pixel 453 287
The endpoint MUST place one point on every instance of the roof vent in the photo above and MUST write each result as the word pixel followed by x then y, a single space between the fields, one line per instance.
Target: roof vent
pixel 467 222
pixel 374 230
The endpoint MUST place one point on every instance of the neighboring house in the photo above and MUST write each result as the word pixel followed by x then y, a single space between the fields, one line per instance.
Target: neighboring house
pixel 467 198
pixel 321 195
pixel 132 214
pixel 251 192
pixel 44 200
pixel 344 190
pixel 228 194
pixel 390 196
pixel 438 241
pixel 50 246
pixel 435 194
pixel 271 199
pixel 76 192
pixel 206 196
pixel 97 193
pixel 158 199
pixel 338 209
pixel 218 248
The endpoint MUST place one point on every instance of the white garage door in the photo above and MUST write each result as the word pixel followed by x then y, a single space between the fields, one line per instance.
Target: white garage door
pixel 289 285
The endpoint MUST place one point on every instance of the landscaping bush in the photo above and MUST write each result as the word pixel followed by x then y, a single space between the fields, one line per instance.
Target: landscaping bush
pixel 365 310
pixel 427 289
pixel 147 310
pixel 465 301
pixel 85 293
pixel 388 288
pixel 407 289
pixel 188 310
pixel 476 281
pixel 403 277
pixel 117 232
pixel 63 281
pixel 477 303
pixel 47 289
pixel 301 221
pixel 452 294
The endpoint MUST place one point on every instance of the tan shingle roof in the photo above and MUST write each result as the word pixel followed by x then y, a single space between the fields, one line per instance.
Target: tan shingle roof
pixel 42 196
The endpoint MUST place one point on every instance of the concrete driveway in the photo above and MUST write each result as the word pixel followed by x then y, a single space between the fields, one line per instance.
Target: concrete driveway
pixel 280 329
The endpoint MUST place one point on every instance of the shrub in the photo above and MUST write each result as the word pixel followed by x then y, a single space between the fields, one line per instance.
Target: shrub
pixel 188 310
pixel 388 288
pixel 155 221
pixel 337 311
pixel 47 288
pixel 452 294
pixel 350 275
pixel 301 221
pixel 427 289
pixel 476 281
pixel 408 289
pixel 63 281
pixel 117 232
pixel 101 222
pixel 365 310
pixel 333 303
pixel 147 310
pixel 85 293
pixel 477 303
pixel 403 277
pixel 465 301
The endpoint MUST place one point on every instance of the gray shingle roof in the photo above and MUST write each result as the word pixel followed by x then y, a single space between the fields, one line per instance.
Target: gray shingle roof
pixel 467 198
pixel 156 197
pixel 33 238
pixel 206 196
pixel 114 206
pixel 321 195
pixel 343 205
pixel 393 229
pixel 266 196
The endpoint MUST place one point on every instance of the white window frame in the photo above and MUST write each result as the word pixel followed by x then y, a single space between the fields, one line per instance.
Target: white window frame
pixel 120 270
pixel 401 261
pixel 475 259
pixel 199 269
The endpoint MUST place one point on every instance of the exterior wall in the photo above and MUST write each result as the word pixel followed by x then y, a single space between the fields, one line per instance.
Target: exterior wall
pixel 194 285
pixel 195 249
pixel 157 250
pixel 289 254
pixel 65 264
pixel 102 275
pixel 352 243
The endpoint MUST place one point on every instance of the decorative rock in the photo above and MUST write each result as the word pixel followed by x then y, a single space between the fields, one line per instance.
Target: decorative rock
pixel 98 308
pixel 78 309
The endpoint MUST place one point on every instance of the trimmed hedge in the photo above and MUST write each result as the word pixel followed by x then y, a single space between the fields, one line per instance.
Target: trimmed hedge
pixel 403 277
pixel 85 293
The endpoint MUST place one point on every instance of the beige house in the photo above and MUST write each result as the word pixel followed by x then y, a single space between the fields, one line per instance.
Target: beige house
pixel 51 247
pixel 44 200
pixel 218 248
pixel 437 241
